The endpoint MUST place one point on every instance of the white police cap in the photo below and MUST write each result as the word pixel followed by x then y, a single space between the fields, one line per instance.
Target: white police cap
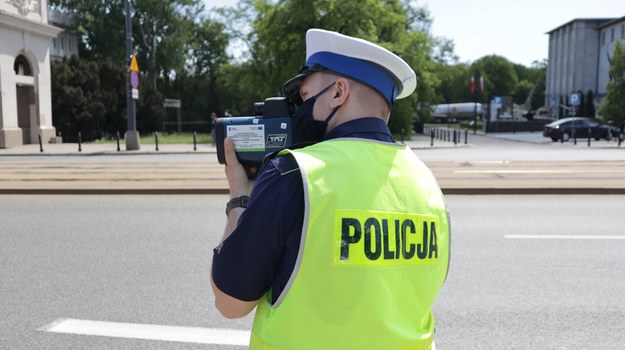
pixel 354 58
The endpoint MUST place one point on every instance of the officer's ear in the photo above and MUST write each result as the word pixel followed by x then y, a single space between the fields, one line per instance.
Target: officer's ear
pixel 341 90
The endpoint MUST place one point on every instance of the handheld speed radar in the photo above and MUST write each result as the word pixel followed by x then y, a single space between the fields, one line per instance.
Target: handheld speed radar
pixel 254 137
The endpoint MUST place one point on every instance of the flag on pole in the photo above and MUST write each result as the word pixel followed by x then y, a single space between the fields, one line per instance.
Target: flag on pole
pixel 481 84
pixel 472 85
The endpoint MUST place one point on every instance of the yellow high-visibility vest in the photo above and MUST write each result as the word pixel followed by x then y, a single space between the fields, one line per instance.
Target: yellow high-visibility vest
pixel 373 255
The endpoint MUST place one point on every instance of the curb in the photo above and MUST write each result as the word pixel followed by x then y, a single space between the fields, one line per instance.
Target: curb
pixel 221 191
pixel 132 191
pixel 534 191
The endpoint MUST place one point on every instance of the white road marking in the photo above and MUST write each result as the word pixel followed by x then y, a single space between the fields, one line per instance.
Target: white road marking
pixel 490 161
pixel 561 237
pixel 149 332
pixel 516 171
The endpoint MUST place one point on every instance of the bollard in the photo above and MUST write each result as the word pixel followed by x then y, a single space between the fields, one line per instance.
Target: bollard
pixel 455 139
pixel 589 136
pixel 466 135
pixel 432 138
pixel 79 142
pixel 156 140
pixel 117 139
pixel 194 140
pixel 40 143
pixel 574 136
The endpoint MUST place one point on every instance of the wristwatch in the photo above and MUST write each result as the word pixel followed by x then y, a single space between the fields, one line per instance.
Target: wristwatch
pixel 238 202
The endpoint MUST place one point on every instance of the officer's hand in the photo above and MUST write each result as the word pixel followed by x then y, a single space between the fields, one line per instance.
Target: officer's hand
pixel 236 173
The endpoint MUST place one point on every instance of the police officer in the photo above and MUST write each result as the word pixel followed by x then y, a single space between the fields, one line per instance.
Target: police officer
pixel 342 244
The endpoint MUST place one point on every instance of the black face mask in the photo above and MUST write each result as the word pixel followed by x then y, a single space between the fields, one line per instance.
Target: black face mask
pixel 305 127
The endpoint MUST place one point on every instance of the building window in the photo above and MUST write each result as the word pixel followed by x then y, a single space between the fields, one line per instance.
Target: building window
pixel 612 35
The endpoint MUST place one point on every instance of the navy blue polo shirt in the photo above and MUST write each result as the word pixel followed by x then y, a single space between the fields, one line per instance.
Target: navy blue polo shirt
pixel 261 252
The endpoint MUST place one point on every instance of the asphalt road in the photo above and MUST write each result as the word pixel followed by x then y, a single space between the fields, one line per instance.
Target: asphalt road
pixel 146 260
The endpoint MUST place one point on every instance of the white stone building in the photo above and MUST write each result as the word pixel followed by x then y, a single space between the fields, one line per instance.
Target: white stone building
pixel 65 45
pixel 25 102
pixel 611 32
pixel 578 57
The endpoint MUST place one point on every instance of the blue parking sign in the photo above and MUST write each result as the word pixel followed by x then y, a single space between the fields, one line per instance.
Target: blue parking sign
pixel 575 99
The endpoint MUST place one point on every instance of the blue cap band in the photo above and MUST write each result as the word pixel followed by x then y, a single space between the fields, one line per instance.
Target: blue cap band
pixel 361 70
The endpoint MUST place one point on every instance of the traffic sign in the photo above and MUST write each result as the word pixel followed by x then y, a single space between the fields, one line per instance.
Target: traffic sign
pixel 135 94
pixel 134 79
pixel 497 100
pixel 575 99
pixel 133 64
pixel 172 103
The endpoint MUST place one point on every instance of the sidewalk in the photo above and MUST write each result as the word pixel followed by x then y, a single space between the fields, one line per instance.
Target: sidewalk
pixel 417 142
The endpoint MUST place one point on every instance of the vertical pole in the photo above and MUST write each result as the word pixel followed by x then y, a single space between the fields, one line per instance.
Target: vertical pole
pixel 79 142
pixel 466 135
pixel 475 116
pixel 156 139
pixel 117 139
pixel 431 137
pixel 194 140
pixel 179 121
pixel 40 143
pixel 589 135
pixel 132 138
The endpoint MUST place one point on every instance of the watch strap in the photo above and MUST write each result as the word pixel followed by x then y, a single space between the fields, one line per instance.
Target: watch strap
pixel 238 202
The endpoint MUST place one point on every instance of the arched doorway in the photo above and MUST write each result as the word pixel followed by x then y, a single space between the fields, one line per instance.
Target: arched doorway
pixel 26 100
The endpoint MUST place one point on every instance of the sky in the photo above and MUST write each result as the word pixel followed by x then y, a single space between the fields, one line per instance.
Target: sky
pixel 515 29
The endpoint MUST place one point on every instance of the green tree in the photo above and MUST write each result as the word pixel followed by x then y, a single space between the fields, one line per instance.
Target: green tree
pixel 590 104
pixel 531 79
pixel 177 51
pixel 164 29
pixel 613 104
pixel 99 25
pixel 208 55
pixel 500 79
pixel 454 83
pixel 539 78
pixel 76 92
pixel 161 28
pixel 522 91
pixel 277 43
pixel 113 95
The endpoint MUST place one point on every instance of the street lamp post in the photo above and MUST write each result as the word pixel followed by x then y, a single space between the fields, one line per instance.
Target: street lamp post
pixel 132 135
